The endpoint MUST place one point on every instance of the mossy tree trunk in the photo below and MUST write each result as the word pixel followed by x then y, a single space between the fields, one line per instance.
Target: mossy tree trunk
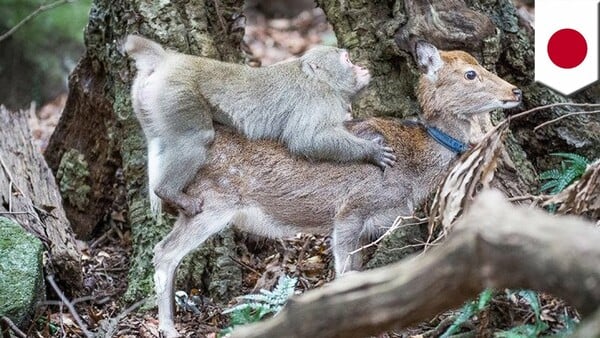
pixel 98 136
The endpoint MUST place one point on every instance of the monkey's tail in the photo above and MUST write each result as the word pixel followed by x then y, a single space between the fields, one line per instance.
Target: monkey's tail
pixel 153 176
pixel 147 53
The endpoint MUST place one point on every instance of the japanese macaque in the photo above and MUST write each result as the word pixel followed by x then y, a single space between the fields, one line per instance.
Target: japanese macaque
pixel 258 187
pixel 301 103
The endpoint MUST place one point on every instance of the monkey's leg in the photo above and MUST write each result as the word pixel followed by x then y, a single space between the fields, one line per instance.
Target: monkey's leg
pixel 180 158
pixel 187 234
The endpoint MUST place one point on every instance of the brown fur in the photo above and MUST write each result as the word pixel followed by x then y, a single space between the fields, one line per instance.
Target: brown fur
pixel 258 187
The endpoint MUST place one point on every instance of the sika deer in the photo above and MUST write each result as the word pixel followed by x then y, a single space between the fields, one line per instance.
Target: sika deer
pixel 260 188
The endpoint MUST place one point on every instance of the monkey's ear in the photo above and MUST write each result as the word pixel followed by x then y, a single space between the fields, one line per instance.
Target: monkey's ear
pixel 309 67
pixel 428 59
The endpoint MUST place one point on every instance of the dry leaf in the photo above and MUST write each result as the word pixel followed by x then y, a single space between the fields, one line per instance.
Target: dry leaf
pixel 473 171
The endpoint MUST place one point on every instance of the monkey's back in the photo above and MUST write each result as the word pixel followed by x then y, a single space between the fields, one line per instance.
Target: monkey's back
pixel 258 102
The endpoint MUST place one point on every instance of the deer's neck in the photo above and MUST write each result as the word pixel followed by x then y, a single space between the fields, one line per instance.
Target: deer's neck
pixel 446 128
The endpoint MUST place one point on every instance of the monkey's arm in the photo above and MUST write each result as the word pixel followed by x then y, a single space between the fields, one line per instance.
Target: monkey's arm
pixel 338 144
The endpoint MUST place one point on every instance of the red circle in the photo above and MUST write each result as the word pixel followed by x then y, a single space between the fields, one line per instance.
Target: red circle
pixel 567 48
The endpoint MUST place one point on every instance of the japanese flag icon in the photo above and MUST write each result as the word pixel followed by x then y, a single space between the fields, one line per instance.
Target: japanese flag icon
pixel 566 44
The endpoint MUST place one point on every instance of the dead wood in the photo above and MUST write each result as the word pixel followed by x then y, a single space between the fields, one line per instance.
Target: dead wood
pixel 29 195
pixel 495 244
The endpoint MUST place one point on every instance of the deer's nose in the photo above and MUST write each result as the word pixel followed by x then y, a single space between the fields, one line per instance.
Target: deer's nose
pixel 518 93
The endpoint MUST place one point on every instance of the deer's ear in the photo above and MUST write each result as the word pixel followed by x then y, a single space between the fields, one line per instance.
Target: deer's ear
pixel 428 59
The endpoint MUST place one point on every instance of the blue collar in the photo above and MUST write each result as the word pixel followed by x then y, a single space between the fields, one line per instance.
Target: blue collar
pixel 446 140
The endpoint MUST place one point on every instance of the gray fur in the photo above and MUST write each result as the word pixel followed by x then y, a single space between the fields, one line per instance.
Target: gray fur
pixel 301 103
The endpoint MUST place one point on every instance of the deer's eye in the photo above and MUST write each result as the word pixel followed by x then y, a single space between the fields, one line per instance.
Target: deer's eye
pixel 470 75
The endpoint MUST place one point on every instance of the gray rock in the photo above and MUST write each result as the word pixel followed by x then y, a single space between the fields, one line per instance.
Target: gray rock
pixel 21 272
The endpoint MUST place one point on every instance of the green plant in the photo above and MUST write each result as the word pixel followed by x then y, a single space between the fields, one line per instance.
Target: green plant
pixel 469 310
pixel 571 169
pixel 534 330
pixel 527 330
pixel 261 304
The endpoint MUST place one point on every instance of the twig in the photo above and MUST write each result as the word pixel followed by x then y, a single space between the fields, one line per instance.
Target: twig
pixel 108 326
pixel 220 16
pixel 6 321
pixel 69 305
pixel 560 104
pixel 528 197
pixel 102 238
pixel 10 183
pixel 132 308
pixel 32 15
pixel 243 265
pixel 564 116
pixel 443 325
pixel 397 224
pixel 98 299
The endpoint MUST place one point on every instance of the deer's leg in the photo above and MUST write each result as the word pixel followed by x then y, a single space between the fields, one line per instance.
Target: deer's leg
pixel 347 237
pixel 352 231
pixel 187 234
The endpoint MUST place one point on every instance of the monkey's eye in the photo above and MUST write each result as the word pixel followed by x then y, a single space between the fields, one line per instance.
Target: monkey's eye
pixel 470 75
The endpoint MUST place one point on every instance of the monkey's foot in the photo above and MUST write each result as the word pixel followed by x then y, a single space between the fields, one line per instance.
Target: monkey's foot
pixel 190 206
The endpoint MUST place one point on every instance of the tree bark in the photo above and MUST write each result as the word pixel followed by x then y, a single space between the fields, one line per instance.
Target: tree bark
pixel 495 245
pixel 29 196
pixel 99 135
pixel 380 34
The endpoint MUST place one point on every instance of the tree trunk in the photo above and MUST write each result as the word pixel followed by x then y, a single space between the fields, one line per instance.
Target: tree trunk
pixel 495 245
pixel 99 135
pixel 380 33
pixel 30 197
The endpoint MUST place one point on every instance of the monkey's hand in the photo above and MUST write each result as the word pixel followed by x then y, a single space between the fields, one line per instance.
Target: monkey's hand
pixel 383 156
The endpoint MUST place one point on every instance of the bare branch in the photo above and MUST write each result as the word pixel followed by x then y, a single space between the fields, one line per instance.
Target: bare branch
pixel 32 15
pixel 564 116
pixel 69 305
pixel 553 105
pixel 6 321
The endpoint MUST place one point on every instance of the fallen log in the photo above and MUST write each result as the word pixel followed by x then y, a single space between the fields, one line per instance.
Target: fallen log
pixel 495 245
pixel 29 196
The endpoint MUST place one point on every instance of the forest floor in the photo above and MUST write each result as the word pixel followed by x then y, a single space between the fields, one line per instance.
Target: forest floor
pixel 306 257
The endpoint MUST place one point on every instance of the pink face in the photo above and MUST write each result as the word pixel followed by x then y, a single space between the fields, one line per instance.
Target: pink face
pixel 362 74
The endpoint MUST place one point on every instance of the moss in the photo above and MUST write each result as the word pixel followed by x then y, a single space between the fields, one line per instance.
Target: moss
pixel 397 245
pixel 73 177
pixel 21 275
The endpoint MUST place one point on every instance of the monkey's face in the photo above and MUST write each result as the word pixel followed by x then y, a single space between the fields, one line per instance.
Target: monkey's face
pixel 360 74
pixel 333 66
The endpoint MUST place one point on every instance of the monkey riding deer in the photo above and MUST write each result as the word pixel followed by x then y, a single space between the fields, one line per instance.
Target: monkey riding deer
pixel 302 103
pixel 258 187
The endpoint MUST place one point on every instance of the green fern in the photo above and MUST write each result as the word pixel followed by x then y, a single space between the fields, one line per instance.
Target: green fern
pixel 469 310
pixel 261 304
pixel 527 330
pixel 571 168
